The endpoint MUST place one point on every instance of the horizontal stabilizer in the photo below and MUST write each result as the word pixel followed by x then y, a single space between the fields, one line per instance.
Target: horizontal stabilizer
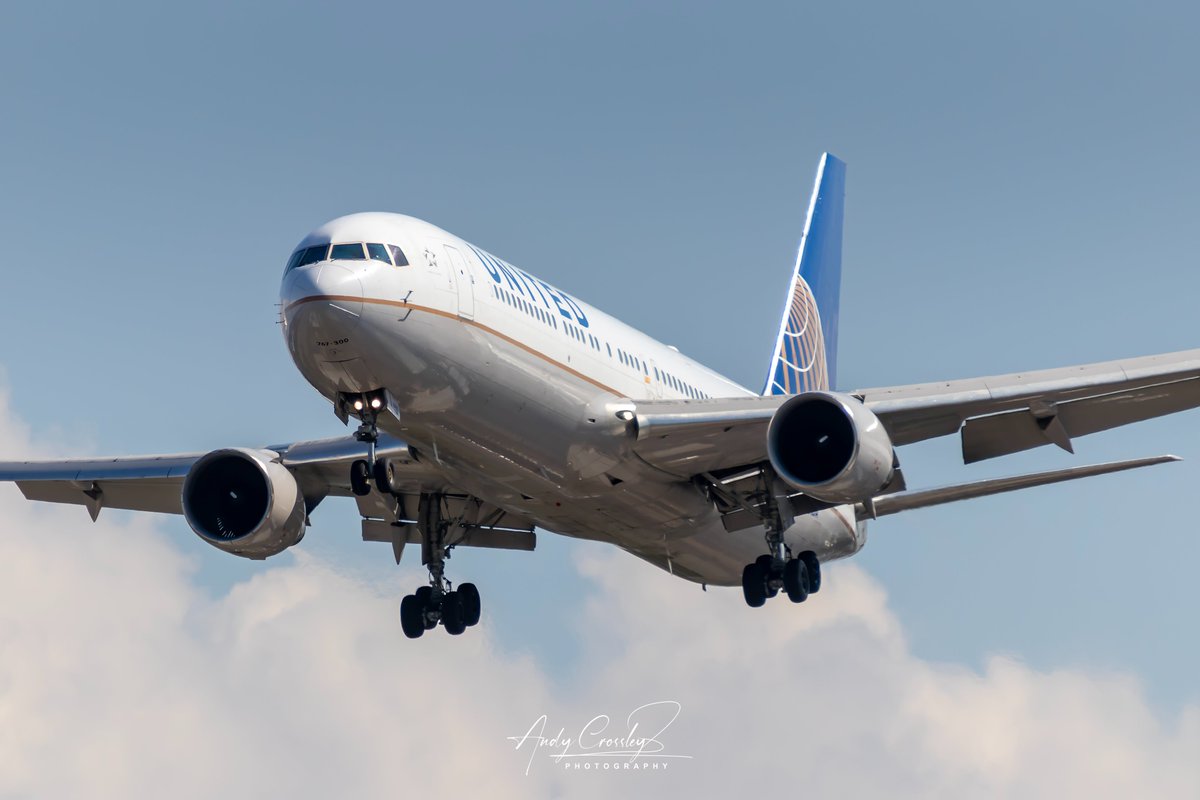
pixel 906 501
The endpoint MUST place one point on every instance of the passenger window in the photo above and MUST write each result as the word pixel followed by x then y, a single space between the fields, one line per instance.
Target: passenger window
pixel 379 253
pixel 398 256
pixel 312 255
pixel 347 252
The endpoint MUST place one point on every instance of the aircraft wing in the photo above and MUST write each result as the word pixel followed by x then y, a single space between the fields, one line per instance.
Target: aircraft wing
pixel 1010 413
pixel 154 483
pixel 995 415
pixel 321 469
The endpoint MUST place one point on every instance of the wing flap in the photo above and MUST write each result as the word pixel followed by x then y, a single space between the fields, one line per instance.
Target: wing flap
pixel 135 483
pixel 1015 431
pixel 924 411
pixel 159 495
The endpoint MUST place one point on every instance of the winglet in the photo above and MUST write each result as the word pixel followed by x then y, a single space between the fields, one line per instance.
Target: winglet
pixel 805 355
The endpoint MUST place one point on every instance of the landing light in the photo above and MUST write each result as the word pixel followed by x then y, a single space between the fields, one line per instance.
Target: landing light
pixel 376 403
pixel 358 405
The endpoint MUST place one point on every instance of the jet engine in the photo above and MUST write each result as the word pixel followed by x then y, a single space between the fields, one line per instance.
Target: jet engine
pixel 831 447
pixel 244 502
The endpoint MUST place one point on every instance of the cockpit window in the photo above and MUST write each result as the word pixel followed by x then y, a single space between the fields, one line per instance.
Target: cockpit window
pixel 347 252
pixel 312 255
pixel 356 251
pixel 379 253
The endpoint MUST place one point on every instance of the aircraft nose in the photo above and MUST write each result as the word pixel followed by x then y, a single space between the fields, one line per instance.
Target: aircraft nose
pixel 322 305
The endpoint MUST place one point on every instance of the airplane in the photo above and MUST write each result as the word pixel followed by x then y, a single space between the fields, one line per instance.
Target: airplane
pixel 490 403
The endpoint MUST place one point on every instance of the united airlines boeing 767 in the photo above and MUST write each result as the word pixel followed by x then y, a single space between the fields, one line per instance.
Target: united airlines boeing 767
pixel 488 403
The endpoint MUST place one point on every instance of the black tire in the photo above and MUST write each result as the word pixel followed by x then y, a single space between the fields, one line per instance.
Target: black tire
pixel 754 585
pixel 385 476
pixel 452 614
pixel 360 478
pixel 766 563
pixel 814 571
pixel 412 616
pixel 469 596
pixel 425 598
pixel 795 580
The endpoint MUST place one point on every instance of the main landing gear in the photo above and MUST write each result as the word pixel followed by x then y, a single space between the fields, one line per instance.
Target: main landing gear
pixel 798 577
pixel 777 569
pixel 422 610
pixel 438 602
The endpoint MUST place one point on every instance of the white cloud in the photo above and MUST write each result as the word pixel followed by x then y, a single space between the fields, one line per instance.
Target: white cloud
pixel 121 677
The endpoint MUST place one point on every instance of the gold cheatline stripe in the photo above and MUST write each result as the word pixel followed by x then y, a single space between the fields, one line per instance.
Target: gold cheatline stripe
pixel 341 298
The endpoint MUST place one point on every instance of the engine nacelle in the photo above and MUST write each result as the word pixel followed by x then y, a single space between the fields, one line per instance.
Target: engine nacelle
pixel 831 447
pixel 244 502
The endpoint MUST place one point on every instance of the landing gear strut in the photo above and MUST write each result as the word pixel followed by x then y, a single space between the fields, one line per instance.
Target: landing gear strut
pixel 797 576
pixel 379 471
pixel 361 470
pixel 367 407
pixel 438 602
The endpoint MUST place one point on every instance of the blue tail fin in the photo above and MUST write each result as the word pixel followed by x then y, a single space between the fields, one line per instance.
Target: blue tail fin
pixel 805 356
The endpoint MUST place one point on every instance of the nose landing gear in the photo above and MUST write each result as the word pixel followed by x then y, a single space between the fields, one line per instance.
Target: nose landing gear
pixel 367 407
pixel 360 478
pixel 382 474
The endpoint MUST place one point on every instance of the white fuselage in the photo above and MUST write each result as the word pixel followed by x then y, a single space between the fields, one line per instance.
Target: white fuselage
pixel 511 387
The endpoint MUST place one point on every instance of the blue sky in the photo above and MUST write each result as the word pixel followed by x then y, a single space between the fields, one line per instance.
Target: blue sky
pixel 1021 187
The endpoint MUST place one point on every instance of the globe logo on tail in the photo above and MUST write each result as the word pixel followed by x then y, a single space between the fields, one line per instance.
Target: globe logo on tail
pixel 800 364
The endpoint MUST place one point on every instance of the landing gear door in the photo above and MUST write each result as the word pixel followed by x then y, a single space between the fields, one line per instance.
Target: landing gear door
pixel 461 274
